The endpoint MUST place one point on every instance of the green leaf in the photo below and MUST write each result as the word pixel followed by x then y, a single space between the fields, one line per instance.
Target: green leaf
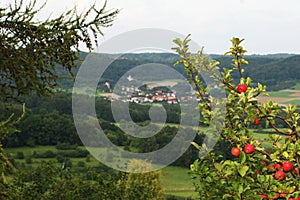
pixel 261 179
pixel 218 166
pixel 285 154
pixel 196 145
pixel 208 179
pixel 226 196
pixel 243 157
pixel 241 189
pixel 228 173
pixel 243 171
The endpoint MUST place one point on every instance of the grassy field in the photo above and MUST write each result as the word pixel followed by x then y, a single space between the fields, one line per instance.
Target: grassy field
pixel 296 87
pixel 291 96
pixel 263 137
pixel 293 102
pixel 176 181
pixel 282 93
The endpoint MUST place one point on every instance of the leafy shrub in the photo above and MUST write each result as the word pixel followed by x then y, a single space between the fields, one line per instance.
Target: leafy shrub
pixel 46 154
pixel 20 155
pixel 66 146
pixel 78 153
pixel 255 172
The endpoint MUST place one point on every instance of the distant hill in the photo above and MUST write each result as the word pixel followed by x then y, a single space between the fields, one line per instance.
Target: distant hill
pixel 281 74
pixel 277 71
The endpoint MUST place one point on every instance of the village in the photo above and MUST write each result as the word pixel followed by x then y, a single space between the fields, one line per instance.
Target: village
pixel 148 94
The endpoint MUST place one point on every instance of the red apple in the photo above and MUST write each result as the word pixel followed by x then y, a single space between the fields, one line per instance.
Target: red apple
pixel 287 166
pixel 277 195
pixel 241 88
pixel 277 166
pixel 290 138
pixel 271 167
pixel 256 121
pixel 263 163
pixel 296 171
pixel 280 175
pixel 284 193
pixel 249 148
pixel 235 151
pixel 264 196
pixel 257 172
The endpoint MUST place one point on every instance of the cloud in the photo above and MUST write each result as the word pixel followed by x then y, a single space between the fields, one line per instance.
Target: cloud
pixel 267 25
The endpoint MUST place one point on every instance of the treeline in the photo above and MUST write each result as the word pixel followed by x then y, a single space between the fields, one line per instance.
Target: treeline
pixel 277 71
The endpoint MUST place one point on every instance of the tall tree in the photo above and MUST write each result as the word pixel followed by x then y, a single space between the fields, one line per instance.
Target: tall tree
pixel 139 185
pixel 30 50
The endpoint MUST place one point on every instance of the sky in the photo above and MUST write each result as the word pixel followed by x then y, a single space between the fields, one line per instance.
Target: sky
pixel 268 26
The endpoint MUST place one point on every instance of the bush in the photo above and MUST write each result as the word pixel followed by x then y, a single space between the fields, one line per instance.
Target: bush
pixel 28 160
pixel 46 154
pixel 66 146
pixel 78 153
pixel 60 158
pixel 20 155
pixel 48 181
pixel 67 163
pixel 139 185
pixel 81 164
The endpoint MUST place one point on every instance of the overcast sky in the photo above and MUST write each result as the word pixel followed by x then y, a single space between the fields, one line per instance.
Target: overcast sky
pixel 268 26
